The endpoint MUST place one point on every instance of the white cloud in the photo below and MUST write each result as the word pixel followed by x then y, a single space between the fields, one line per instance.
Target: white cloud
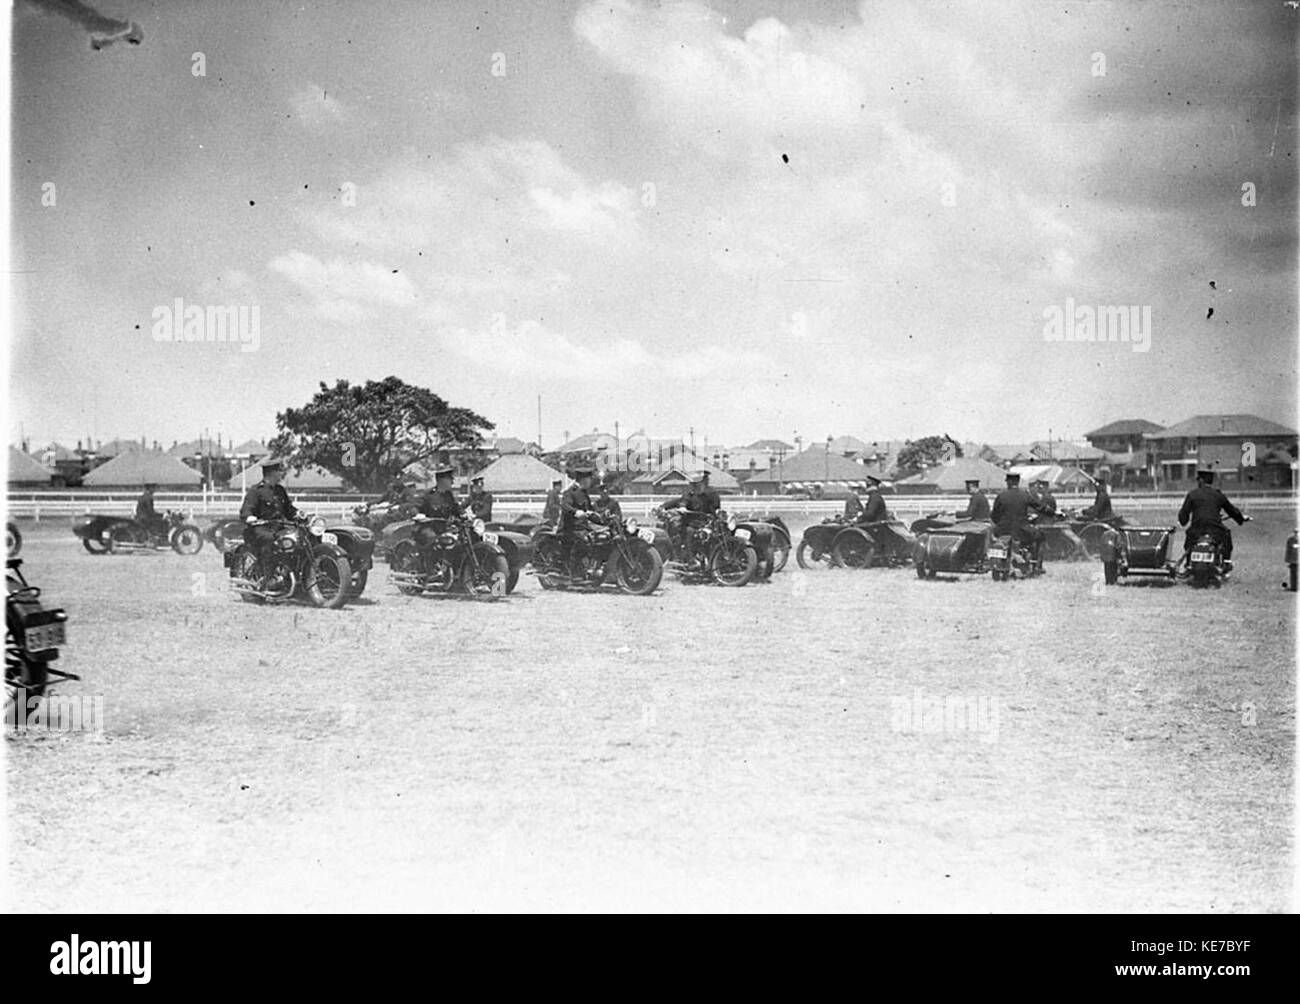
pixel 345 291
pixel 315 108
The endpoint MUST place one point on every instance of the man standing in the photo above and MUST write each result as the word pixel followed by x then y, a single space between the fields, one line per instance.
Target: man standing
pixel 551 513
pixel 480 501
pixel 146 515
pixel 575 504
pixel 1011 514
pixel 1203 506
pixel 853 506
pixel 266 500
pixel 978 506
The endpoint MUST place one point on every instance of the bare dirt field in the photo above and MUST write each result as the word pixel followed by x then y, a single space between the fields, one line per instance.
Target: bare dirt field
pixel 771 747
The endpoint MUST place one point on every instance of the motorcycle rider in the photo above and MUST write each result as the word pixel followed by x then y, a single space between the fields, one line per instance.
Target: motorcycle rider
pixel 147 516
pixel 978 506
pixel 1041 490
pixel 575 504
pixel 440 501
pixel 1011 514
pixel 698 502
pixel 1202 506
pixel 480 500
pixel 266 500
pixel 853 504
pixel 606 503
pixel 875 510
pixel 551 512
pixel 1101 508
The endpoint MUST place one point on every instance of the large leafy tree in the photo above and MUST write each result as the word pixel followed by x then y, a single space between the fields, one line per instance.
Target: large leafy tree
pixel 919 454
pixel 367 434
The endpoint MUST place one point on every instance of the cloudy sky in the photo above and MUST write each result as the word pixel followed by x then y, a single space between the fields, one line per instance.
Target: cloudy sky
pixel 753 219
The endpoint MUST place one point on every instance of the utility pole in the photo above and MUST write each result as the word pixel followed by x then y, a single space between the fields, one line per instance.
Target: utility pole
pixel 539 421
pixel 618 448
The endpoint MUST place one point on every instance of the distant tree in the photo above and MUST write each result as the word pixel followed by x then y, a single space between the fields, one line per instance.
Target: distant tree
pixel 367 434
pixel 917 455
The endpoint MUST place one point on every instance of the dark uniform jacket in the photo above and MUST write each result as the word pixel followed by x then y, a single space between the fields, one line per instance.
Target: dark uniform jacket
pixel 574 500
pixel 976 508
pixel 1100 508
pixel 1046 502
pixel 265 501
pixel 551 513
pixel 1203 505
pixel 480 504
pixel 852 507
pixel 144 510
pixel 1012 509
pixel 875 510
pixel 440 503
pixel 607 504
pixel 696 498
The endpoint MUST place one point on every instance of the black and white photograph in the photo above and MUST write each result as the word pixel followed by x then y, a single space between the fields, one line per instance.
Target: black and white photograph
pixel 651 457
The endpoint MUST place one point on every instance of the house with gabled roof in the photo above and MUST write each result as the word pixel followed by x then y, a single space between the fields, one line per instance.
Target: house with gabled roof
pixel 1245 450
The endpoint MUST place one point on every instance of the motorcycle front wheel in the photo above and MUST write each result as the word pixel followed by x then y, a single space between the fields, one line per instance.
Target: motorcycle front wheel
pixel 639 571
pixel 484 574
pixel 733 563
pixel 187 539
pixel 328 582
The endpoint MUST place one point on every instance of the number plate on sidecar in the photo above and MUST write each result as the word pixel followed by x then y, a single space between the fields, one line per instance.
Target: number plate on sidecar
pixel 742 534
pixel 647 535
pixel 490 538
pixel 329 538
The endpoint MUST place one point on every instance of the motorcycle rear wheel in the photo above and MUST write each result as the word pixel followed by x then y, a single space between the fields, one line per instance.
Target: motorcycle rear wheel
pixel 853 550
pixel 406 558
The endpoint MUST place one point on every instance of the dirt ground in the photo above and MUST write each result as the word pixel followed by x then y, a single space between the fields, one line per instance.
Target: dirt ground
pixel 776 747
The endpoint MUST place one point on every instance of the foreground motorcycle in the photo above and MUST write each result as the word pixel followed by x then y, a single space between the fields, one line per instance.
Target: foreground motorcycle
pixel 718 549
pixel 120 534
pixel 299 561
pixel 13 540
pixel 1204 564
pixel 1011 559
pixel 606 550
pixel 357 542
pixel 449 555
pixel 33 634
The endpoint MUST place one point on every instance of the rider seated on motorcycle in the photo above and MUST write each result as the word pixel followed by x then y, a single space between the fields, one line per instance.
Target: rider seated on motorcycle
pixel 265 500
pixel 1101 507
pixel 1012 512
pixel 439 503
pixel 875 510
pixel 1202 506
pixel 575 504
pixel 1041 490
pixel 978 506
pixel 147 516
pixel 698 502
pixel 605 502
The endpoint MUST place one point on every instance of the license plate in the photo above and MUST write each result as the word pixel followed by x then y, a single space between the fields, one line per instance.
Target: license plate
pixel 45 636
pixel 329 538
pixel 647 535
pixel 997 552
pixel 490 538
pixel 742 534
pixel 1204 557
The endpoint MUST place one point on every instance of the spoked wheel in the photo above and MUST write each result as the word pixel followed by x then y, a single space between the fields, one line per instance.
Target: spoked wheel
pixel 484 574
pixel 780 549
pixel 13 540
pixel 640 571
pixel 853 550
pixel 406 558
pixel 94 546
pixel 330 580
pixel 807 556
pixel 125 537
pixel 187 540
pixel 733 563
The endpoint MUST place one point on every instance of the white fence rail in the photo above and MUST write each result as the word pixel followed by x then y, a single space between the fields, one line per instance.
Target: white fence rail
pixel 69 505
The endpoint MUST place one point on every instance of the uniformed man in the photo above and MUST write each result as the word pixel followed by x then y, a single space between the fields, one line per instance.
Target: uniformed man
pixel 146 515
pixel 480 500
pixel 1101 508
pixel 440 501
pixel 978 505
pixel 853 505
pixel 551 512
pixel 1041 490
pixel 697 502
pixel 1202 507
pixel 875 510
pixel 605 502
pixel 575 505
pixel 1011 514
pixel 266 500
pixel 393 493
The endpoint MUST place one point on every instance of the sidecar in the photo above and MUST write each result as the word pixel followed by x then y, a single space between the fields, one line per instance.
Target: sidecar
pixel 96 531
pixel 962 548
pixel 818 542
pixel 1137 550
pixel 885 543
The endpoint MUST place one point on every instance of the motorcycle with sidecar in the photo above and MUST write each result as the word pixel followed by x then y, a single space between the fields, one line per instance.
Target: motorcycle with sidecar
pixel 298 561
pixel 110 534
pixel 33 635
pixel 606 550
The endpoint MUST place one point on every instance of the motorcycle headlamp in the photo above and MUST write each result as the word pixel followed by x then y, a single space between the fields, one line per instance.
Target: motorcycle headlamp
pixel 631 526
pixel 287 541
pixel 731 524
pixel 316 525
pixel 479 527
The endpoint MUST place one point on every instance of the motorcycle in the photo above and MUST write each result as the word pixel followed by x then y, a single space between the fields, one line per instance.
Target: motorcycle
pixel 779 552
pixel 606 550
pixel 300 560
pixel 33 634
pixel 357 542
pixel 1204 564
pixel 719 549
pixel 1009 558
pixel 458 554
pixel 13 540
pixel 958 547
pixel 101 534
